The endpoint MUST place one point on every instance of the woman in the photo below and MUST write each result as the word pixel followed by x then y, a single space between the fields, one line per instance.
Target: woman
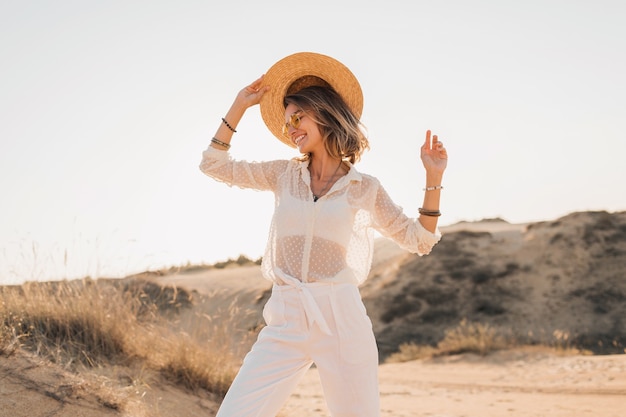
pixel 321 236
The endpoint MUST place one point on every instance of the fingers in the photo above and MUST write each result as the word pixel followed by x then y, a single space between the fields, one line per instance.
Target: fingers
pixel 437 145
pixel 257 83
pixel 259 87
pixel 255 86
pixel 433 144
pixel 255 90
pixel 426 144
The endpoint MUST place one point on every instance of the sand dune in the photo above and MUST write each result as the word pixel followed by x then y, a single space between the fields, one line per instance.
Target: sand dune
pixel 560 281
pixel 564 276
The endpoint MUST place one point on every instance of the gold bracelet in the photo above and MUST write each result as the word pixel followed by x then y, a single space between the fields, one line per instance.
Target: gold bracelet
pixel 220 143
pixel 431 213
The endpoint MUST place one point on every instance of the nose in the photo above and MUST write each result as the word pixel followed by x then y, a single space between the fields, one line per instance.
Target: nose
pixel 288 129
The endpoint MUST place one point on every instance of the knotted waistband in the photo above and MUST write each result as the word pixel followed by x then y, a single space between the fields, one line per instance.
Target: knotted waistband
pixel 311 308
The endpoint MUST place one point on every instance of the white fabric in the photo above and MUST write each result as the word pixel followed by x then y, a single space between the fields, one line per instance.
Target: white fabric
pixel 337 229
pixel 311 309
pixel 347 360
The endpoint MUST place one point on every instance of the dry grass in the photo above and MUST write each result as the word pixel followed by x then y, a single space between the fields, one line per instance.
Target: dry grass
pixel 89 323
pixel 477 338
pixel 473 338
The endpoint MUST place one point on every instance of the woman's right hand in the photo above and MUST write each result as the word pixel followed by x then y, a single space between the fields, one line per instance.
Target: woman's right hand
pixel 247 97
pixel 252 94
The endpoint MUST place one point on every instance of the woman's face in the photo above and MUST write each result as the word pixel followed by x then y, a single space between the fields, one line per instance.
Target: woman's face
pixel 302 130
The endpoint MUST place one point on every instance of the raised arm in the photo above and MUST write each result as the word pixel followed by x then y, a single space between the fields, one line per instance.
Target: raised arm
pixel 248 97
pixel 435 159
pixel 218 164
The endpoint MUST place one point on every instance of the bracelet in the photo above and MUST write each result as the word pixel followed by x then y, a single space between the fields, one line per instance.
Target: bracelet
pixel 431 213
pixel 219 142
pixel 433 188
pixel 229 126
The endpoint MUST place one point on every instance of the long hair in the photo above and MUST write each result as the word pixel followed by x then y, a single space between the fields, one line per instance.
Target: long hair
pixel 342 132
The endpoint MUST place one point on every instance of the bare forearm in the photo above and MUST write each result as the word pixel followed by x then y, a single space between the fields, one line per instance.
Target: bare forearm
pixel 249 96
pixel 435 159
pixel 224 133
pixel 432 198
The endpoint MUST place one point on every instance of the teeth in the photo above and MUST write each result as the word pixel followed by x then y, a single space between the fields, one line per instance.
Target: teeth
pixel 298 139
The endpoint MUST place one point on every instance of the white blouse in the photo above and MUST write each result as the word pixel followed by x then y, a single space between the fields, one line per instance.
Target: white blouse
pixel 331 240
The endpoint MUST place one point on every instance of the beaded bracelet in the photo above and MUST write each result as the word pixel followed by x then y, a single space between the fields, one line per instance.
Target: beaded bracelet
pixel 431 213
pixel 433 188
pixel 228 125
pixel 219 142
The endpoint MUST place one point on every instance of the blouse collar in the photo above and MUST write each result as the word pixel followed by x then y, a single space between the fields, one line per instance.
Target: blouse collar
pixel 352 175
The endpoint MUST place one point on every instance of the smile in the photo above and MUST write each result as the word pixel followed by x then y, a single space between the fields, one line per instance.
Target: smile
pixel 298 139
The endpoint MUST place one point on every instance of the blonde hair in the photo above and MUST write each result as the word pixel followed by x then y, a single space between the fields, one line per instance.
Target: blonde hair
pixel 342 132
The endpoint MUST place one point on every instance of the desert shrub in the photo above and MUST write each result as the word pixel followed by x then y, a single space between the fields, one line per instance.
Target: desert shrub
pixel 561 340
pixel 471 337
pixel 601 297
pixel 410 352
pixel 189 365
pixel 556 238
pixel 469 234
pixel 603 220
pixel 509 268
pixel 401 307
pixel 458 266
pixel 242 260
pixel 9 341
pixel 618 235
pixel 90 324
pixel 600 344
pixel 482 275
pixel 467 337
pixel 439 315
pixel 153 297
pixel 434 295
pixel 461 262
pixel 488 307
pixel 458 274
pixel 67 322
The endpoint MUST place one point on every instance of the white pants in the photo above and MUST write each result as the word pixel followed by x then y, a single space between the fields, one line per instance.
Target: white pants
pixel 319 323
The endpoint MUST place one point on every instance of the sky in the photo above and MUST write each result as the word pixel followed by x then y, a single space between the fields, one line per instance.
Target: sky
pixel 106 107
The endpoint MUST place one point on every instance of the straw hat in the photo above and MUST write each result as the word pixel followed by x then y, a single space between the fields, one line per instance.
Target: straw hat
pixel 304 69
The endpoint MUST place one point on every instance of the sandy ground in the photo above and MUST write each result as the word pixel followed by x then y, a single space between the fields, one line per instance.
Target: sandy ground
pixel 524 382
pixel 513 383
pixel 521 383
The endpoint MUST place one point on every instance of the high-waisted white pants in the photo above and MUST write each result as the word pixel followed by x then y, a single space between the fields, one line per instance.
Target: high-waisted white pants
pixel 321 323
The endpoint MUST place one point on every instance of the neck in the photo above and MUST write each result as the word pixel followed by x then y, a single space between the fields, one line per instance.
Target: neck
pixel 324 167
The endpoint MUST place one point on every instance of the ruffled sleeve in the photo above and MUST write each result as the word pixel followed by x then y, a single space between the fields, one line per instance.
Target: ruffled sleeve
pixel 220 166
pixel 390 220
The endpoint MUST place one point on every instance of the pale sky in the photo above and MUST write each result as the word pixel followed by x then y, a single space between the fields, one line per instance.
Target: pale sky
pixel 106 106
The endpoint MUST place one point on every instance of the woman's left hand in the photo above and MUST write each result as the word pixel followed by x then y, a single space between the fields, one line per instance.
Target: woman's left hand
pixel 434 156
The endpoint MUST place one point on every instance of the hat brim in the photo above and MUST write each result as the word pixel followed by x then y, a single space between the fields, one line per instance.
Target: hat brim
pixel 306 68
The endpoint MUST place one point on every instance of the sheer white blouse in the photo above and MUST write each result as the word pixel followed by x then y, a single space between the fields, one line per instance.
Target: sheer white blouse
pixel 331 240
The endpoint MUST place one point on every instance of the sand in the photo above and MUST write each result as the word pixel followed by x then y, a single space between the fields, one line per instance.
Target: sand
pixel 522 382
pixel 518 383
